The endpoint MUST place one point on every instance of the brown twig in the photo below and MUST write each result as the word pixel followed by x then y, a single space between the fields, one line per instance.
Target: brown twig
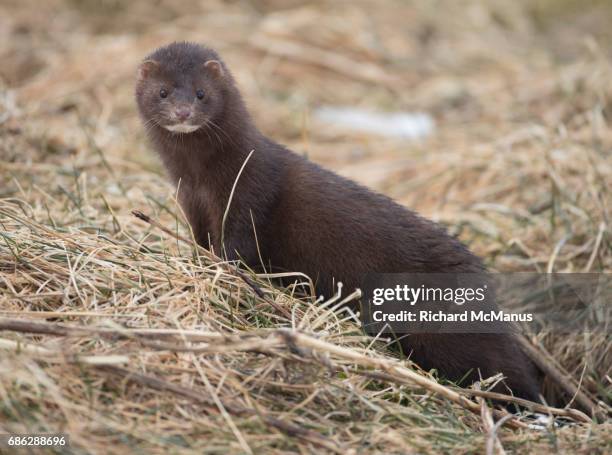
pixel 56 329
pixel 563 380
pixel 574 414
pixel 337 62
pixel 214 342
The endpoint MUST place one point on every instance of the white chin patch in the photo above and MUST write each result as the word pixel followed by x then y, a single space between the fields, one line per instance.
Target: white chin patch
pixel 182 128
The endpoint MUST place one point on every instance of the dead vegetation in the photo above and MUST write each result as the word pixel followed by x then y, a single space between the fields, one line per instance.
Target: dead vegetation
pixel 128 339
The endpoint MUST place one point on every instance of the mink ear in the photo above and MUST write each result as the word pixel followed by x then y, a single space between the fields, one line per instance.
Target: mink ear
pixel 146 68
pixel 214 67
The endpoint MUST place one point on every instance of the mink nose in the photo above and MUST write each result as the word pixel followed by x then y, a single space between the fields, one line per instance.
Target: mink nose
pixel 182 113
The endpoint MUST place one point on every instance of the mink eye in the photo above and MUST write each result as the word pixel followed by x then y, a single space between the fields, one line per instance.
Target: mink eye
pixel 200 94
pixel 163 93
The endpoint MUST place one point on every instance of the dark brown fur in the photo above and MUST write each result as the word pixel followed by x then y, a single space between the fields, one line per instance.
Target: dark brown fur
pixel 306 218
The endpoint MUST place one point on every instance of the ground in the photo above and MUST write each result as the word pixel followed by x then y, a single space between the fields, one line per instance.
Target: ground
pixel 518 166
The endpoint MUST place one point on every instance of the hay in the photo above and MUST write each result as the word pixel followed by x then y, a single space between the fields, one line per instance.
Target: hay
pixel 128 339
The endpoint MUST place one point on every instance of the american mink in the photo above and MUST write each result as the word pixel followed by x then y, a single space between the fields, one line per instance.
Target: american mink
pixel 294 215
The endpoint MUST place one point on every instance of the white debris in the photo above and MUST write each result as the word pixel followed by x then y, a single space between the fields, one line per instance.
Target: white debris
pixel 543 421
pixel 408 125
pixel 8 105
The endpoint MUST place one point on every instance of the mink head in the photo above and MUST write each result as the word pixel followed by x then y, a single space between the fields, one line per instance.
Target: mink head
pixel 180 87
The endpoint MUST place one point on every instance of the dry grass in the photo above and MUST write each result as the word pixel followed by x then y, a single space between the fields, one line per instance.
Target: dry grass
pixel 169 350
